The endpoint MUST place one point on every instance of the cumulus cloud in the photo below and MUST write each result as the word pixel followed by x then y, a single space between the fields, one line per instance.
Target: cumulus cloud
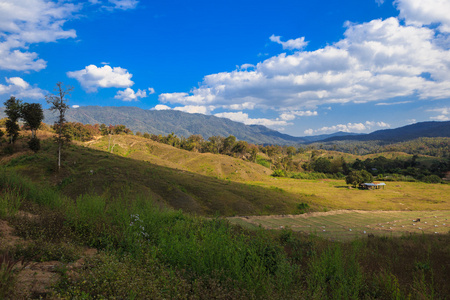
pixel 443 114
pixel 425 12
pixel 26 22
pixel 244 118
pixel 19 88
pixel 375 62
pixel 161 107
pixel 130 95
pixel 296 44
pixel 349 127
pixel 293 114
pixel 195 109
pixel 92 77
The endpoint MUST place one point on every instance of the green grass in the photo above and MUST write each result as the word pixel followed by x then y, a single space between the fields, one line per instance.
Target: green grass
pixel 148 250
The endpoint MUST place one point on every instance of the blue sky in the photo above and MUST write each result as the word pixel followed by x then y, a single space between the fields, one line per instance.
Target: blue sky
pixel 300 67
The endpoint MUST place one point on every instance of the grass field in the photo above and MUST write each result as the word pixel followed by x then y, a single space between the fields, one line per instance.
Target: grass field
pixel 345 225
pixel 335 194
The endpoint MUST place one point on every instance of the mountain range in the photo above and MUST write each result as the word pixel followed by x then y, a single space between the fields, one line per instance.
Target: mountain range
pixel 185 124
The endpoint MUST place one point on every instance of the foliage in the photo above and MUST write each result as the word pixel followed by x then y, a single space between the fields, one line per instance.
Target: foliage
pixel 279 173
pixel 8 272
pixel 432 179
pixel 322 165
pixel 33 115
pixel 13 108
pixel 58 102
pixel 357 177
pixel 34 144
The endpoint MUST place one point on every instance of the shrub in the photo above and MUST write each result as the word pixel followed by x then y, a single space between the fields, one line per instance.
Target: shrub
pixel 431 179
pixel 279 173
pixel 34 144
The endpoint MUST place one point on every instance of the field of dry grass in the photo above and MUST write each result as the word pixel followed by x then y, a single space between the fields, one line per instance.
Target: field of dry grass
pixel 350 224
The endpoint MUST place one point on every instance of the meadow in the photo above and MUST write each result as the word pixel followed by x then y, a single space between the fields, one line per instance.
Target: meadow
pixel 147 225
pixel 343 225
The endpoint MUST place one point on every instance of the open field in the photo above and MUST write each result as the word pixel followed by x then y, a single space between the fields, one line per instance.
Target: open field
pixel 349 224
pixel 335 194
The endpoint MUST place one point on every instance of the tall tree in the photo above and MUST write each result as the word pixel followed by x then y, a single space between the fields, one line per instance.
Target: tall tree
pixel 58 102
pixel 13 108
pixel 33 115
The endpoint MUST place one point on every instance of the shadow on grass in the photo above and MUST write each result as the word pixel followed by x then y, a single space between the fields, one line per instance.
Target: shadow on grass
pixel 90 171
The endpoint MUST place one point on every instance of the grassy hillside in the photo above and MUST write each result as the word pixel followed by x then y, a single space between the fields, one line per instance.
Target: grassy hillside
pixel 165 174
pixel 95 248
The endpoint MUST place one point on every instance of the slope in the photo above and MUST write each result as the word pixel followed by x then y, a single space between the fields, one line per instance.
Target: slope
pixel 405 133
pixel 150 171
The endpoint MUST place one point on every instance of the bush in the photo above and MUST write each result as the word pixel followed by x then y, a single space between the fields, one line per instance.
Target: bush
pixel 279 173
pixel 34 144
pixel 432 179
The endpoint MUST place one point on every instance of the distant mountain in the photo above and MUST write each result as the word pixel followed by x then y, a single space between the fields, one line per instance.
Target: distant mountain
pixel 181 123
pixel 321 137
pixel 405 133
pixel 185 124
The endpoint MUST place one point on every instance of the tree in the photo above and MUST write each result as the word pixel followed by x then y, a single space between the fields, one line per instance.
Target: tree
pixel 357 177
pixel 58 102
pixel 228 144
pixel 33 115
pixel 322 165
pixel 13 108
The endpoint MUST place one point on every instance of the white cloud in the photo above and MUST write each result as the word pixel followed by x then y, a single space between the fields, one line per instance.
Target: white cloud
pixel 425 12
pixel 161 107
pixel 124 4
pixel 244 118
pixel 375 61
pixel 151 90
pixel 26 22
pixel 349 127
pixel 296 44
pixel 288 116
pixel 92 77
pixel 129 95
pixel 195 109
pixel 443 114
pixel 379 2
pixel 19 88
pixel 75 106
pixel 309 132
pixel 393 103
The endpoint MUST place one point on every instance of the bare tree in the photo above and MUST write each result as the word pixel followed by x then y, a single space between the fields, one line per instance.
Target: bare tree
pixel 58 102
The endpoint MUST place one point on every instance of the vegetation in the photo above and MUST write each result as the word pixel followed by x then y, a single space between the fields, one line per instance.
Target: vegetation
pixel 150 252
pixel 12 110
pixel 58 102
pixel 118 197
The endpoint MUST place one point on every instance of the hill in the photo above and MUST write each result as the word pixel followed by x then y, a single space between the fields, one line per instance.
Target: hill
pixel 405 133
pixel 182 124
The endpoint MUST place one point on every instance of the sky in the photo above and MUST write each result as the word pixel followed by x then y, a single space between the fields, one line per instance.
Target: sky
pixel 299 67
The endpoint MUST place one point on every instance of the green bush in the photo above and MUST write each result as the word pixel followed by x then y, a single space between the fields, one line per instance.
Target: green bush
pixel 431 179
pixel 34 144
pixel 279 173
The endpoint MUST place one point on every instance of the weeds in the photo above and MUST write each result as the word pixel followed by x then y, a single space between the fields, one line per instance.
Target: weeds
pixel 9 267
